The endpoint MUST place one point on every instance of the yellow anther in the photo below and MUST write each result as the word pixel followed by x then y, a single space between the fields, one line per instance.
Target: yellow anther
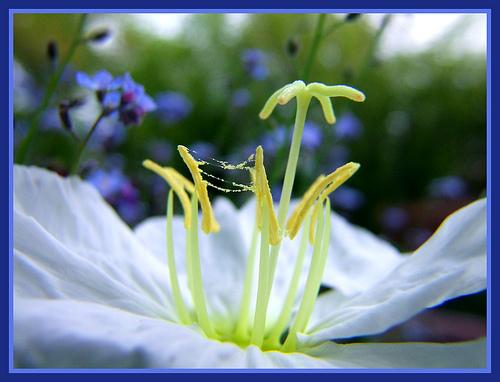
pixel 320 189
pixel 178 183
pixel 264 196
pixel 208 222
pixel 186 183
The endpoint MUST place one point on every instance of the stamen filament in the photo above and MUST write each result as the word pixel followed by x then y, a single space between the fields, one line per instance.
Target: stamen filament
pixel 303 100
pixel 198 293
pixel 312 284
pixel 241 331
pixel 286 311
pixel 172 269
pixel 261 304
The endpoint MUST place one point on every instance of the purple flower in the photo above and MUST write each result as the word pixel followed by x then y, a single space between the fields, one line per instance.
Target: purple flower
pixel 337 156
pixel 451 187
pixel 312 136
pixel 348 198
pixel 348 127
pixel 203 150
pixel 274 139
pixel 110 134
pixel 417 236
pixel 134 102
pixel 240 98
pixel 119 191
pixel 100 81
pixel 254 62
pixel 130 211
pixel 173 107
pixel 394 218
pixel 160 152
pixel 108 183
pixel 26 93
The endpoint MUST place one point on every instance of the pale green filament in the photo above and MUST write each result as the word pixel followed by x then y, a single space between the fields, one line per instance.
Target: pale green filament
pixel 247 329
pixel 198 293
pixel 313 279
pixel 259 324
pixel 303 100
pixel 274 338
pixel 241 331
pixel 172 269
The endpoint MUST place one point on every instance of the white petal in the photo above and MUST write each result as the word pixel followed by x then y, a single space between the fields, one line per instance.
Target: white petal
pixel 357 259
pixel 70 334
pixel 459 355
pixel 223 256
pixel 69 243
pixel 451 263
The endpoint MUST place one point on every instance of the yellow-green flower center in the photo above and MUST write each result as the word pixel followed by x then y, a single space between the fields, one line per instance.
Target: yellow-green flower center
pixel 311 216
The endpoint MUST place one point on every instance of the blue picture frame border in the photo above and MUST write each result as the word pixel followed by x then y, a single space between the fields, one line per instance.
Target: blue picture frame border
pixel 10 7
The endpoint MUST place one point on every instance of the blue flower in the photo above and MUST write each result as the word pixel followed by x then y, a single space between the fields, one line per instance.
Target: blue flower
pixel 119 191
pixel 273 140
pixel 108 183
pixel 254 62
pixel 160 151
pixel 451 187
pixel 348 127
pixel 312 136
pixel 348 198
pixel 100 81
pixel 130 211
pixel 394 218
pixel 173 106
pixel 336 157
pixel 240 98
pixel 134 102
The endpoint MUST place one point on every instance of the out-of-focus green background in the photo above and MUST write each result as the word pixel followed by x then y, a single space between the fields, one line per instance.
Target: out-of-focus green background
pixel 420 136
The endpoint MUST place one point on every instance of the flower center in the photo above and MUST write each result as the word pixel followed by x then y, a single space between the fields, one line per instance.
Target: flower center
pixel 311 216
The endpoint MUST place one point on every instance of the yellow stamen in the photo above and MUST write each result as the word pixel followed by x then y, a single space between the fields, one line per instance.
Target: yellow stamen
pixel 178 183
pixel 263 194
pixel 208 222
pixel 320 189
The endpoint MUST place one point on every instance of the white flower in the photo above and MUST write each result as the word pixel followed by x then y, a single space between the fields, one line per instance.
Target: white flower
pixel 90 292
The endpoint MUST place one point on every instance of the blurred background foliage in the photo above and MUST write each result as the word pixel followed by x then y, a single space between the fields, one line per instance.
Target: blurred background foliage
pixel 420 136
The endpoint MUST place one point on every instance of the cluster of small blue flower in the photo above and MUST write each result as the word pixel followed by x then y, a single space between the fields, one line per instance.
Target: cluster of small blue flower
pixel 119 97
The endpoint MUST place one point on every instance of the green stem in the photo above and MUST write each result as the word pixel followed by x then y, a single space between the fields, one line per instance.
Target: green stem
pixel 198 293
pixel 172 269
pixel 49 92
pixel 286 311
pixel 261 305
pixel 76 163
pixel 310 290
pixel 241 330
pixel 318 33
pixel 303 101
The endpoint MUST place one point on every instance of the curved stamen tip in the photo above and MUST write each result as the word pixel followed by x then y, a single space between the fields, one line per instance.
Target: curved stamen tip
pixel 208 223
pixel 177 182
pixel 264 197
pixel 319 191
